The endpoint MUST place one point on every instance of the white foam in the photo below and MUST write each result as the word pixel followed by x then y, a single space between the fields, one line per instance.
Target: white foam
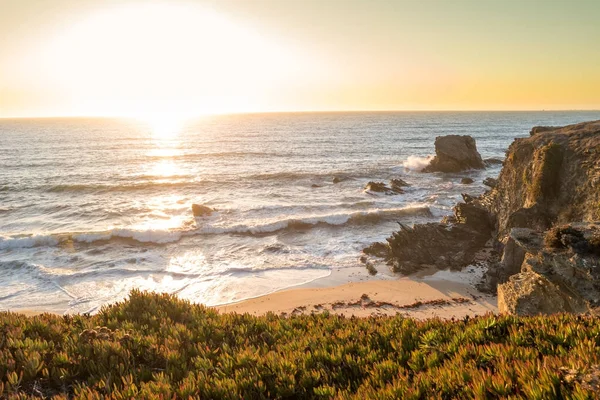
pixel 27 242
pixel 329 219
pixel 147 236
pixel 416 163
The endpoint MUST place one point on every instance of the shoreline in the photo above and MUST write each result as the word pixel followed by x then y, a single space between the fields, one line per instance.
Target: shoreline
pixel 353 292
pixel 444 295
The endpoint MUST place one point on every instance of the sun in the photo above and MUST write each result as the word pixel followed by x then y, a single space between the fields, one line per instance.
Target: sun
pixel 164 126
pixel 165 58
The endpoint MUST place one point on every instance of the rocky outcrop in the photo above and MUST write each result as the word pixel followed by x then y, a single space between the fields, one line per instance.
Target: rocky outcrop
pixel 490 182
pixel 540 129
pixel 454 153
pixel 539 214
pixel 466 181
pixel 451 244
pixel 530 293
pixel 550 177
pixel 555 271
pixel 398 184
pixel 200 210
pixel 380 187
pixel 490 162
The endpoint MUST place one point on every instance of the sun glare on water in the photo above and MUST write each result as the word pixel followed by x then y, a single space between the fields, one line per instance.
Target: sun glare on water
pixel 164 127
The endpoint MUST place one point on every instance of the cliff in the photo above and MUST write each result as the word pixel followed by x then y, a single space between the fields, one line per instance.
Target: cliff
pixel 550 183
pixel 551 177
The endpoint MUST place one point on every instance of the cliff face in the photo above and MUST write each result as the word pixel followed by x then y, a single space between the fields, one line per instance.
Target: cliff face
pixel 551 177
pixel 547 191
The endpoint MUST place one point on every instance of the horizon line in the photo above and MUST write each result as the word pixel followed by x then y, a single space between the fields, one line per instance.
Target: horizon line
pixel 109 116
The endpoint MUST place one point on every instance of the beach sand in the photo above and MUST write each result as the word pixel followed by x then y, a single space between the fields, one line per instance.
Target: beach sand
pixel 417 298
pixel 431 294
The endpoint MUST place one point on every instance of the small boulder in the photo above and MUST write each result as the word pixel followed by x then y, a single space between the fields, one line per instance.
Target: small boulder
pixel 455 153
pixel 490 182
pixel 200 210
pixel 399 183
pixel 466 181
pixel 492 161
pixel 380 187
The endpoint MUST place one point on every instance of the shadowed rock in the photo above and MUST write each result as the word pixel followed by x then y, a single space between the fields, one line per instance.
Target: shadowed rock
pixel 380 187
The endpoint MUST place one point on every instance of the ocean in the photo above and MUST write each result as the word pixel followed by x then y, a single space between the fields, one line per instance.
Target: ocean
pixel 92 208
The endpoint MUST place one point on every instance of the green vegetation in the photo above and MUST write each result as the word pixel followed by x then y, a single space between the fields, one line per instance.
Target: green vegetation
pixel 156 346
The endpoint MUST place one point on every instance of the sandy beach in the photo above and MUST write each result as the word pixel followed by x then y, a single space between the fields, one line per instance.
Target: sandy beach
pixel 420 298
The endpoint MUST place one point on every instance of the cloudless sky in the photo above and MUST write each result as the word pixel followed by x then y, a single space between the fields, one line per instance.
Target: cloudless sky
pixel 133 57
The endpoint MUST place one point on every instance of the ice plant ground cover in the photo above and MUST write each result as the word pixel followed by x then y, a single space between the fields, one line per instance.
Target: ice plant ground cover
pixel 157 346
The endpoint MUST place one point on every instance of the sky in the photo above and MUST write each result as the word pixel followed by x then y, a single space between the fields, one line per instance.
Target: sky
pixel 187 58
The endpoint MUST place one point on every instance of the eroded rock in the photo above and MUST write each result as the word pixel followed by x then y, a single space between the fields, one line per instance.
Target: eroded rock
pixel 530 293
pixel 455 153
pixel 380 187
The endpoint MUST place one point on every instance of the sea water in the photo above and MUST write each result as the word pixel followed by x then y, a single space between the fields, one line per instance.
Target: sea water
pixel 92 208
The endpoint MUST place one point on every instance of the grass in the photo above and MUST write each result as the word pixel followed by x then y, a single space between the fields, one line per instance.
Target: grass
pixel 159 347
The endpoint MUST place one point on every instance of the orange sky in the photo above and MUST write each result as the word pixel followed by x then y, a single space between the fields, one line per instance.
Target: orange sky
pixel 187 58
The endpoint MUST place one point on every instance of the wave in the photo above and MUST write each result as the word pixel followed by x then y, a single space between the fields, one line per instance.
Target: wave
pixel 332 220
pixel 125 187
pixel 162 237
pixel 417 163
pixel 28 241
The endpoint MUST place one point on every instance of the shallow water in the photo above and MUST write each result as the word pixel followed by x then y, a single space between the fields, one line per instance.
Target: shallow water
pixel 91 208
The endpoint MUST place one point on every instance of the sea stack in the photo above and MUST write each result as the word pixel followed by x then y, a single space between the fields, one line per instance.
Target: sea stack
pixel 455 153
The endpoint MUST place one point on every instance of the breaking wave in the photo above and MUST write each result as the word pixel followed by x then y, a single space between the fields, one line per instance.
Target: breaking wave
pixel 417 163
pixel 161 237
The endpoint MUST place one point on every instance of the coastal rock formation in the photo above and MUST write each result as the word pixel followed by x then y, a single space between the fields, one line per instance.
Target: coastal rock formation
pixel 550 177
pixel 490 182
pixel 200 210
pixel 492 161
pixel 530 293
pixel 455 153
pixel 380 187
pixel 561 264
pixel 466 181
pixel 398 184
pixel 539 215
pixel 450 244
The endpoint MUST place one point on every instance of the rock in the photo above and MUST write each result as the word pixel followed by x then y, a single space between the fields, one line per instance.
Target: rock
pixel 493 161
pixel 539 129
pixel 565 261
pixel 314 185
pixel 200 210
pixel 466 181
pixel 380 187
pixel 454 153
pixel 446 245
pixel 529 293
pixel 397 185
pixel 490 182
pixel 377 249
pixel 336 179
pixel 468 198
pixel 549 178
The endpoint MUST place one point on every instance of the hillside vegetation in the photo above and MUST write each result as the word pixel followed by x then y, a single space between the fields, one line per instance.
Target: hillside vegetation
pixel 157 346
